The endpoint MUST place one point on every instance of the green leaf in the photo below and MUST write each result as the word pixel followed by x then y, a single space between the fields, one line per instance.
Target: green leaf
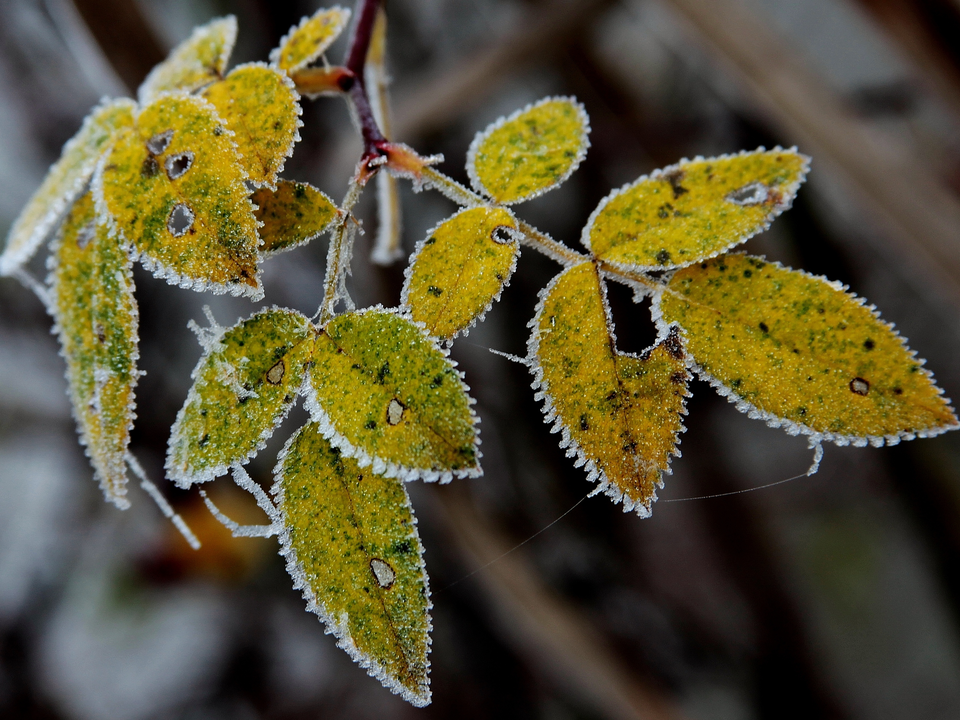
pixel 244 384
pixel 64 182
pixel 384 393
pixel 261 106
pixel 292 215
pixel 460 269
pixel 695 209
pixel 310 39
pixel 620 414
pixel 173 187
pixel 798 351
pixel 198 61
pixel 352 547
pixel 530 152
pixel 96 320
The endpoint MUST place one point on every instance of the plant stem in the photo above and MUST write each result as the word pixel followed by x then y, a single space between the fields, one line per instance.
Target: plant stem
pixel 356 61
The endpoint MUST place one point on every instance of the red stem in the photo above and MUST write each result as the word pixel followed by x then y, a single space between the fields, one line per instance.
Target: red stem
pixel 356 60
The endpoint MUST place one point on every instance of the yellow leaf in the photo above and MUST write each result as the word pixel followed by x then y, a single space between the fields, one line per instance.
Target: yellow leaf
pixel 310 39
pixel 64 182
pixel 385 394
pixel 530 152
pixel 695 209
pixel 198 61
pixel 96 314
pixel 262 108
pixel 620 414
pixel 798 351
pixel 292 215
pixel 243 387
pixel 460 269
pixel 173 187
pixel 352 547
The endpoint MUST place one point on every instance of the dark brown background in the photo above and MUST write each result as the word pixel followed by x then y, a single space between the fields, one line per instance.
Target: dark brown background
pixel 835 596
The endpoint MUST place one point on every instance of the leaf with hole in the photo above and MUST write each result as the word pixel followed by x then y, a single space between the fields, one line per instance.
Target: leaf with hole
pixel 695 209
pixel 620 414
pixel 260 105
pixel 352 547
pixel 385 394
pixel 310 39
pixel 173 188
pixel 798 351
pixel 530 152
pixel 196 62
pixel 292 215
pixel 460 269
pixel 64 182
pixel 244 385
pixel 96 320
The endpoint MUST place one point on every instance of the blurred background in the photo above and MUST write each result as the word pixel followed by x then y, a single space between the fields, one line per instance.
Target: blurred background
pixel 833 596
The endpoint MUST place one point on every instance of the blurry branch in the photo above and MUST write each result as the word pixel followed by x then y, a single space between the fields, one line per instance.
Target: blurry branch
pixel 929 32
pixel 552 634
pixel 923 216
pixel 445 94
pixel 124 36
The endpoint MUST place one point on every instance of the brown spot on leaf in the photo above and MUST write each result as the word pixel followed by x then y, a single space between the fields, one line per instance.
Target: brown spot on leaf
pixel 675 178
pixel 150 167
pixel 672 344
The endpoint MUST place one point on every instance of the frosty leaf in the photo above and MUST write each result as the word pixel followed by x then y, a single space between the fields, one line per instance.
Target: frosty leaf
pixel 620 414
pixel 96 314
pixel 695 209
pixel 530 152
pixel 199 60
pixel 173 187
pixel 261 106
pixel 352 547
pixel 244 385
pixel 310 39
pixel 386 395
pixel 64 182
pixel 798 351
pixel 460 269
pixel 292 215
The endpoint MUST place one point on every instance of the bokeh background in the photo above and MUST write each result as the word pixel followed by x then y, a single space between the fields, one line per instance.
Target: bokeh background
pixel 833 596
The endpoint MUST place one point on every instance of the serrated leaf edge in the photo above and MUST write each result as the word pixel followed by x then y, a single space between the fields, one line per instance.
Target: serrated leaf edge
pixel 275 53
pixel 265 254
pixel 478 318
pixel 481 136
pixel 789 192
pixel 214 344
pixel 551 416
pixel 795 428
pixel 338 626
pixel 378 465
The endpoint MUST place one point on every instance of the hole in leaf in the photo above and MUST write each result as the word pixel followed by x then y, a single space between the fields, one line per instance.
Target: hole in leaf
pixel 177 165
pixel 395 412
pixel 275 374
pixel 86 234
pixel 753 194
pixel 859 386
pixel 180 220
pixel 382 572
pixel 501 235
pixel 160 142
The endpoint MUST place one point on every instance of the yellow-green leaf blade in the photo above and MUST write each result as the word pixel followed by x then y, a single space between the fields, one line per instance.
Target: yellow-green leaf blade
pixel 530 152
pixel 352 547
pixel 460 269
pixel 261 106
pixel 695 209
pixel 310 39
pixel 173 187
pixel 802 352
pixel 96 314
pixel 386 395
pixel 620 414
pixel 244 385
pixel 199 60
pixel 292 215
pixel 64 182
